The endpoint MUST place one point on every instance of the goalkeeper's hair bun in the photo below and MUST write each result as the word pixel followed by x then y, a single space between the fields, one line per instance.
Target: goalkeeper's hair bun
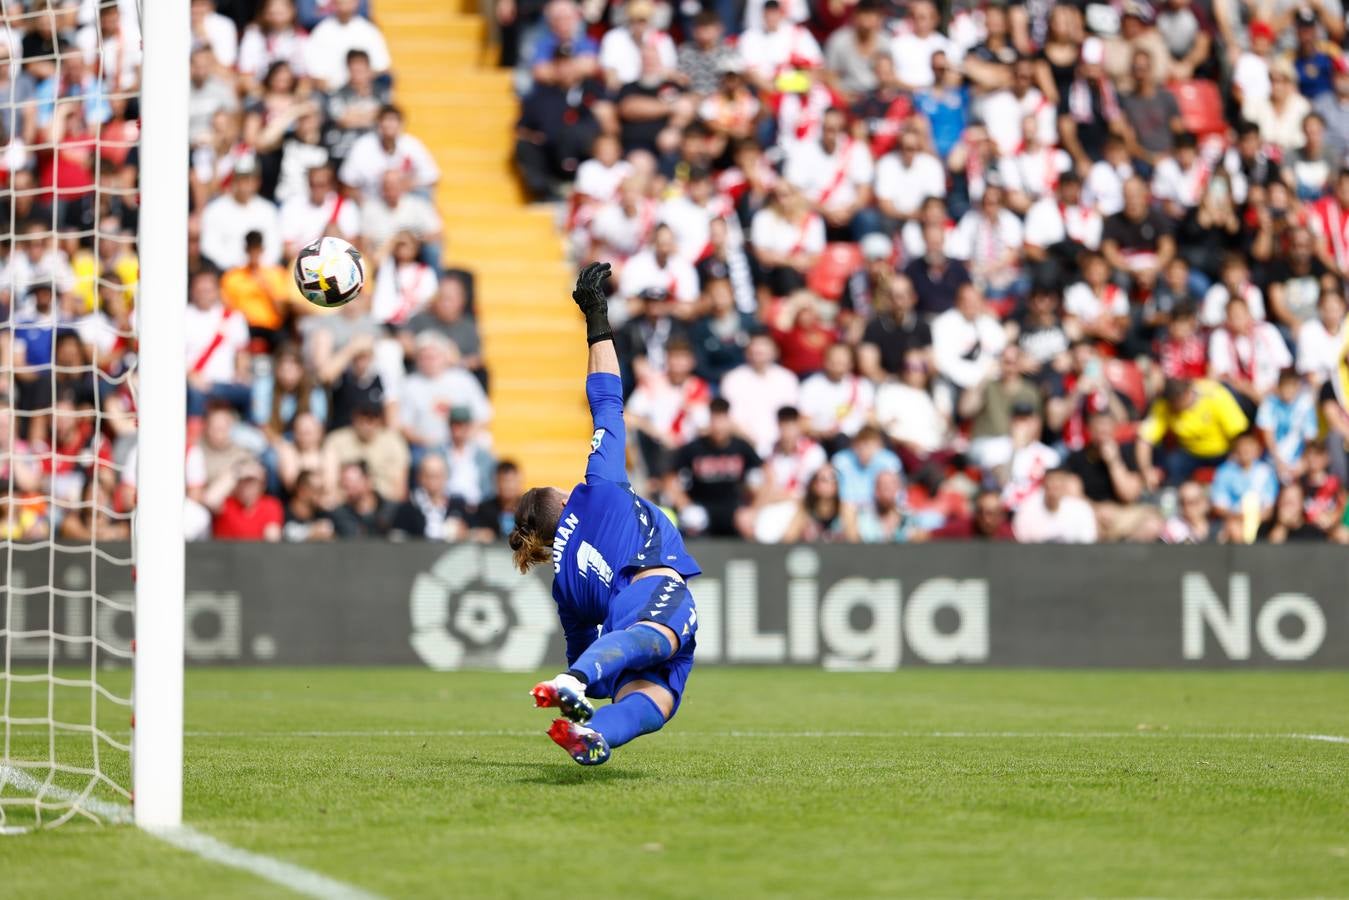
pixel 536 518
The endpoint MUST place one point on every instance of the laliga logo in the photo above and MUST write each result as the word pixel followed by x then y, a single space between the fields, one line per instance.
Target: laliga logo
pixel 467 594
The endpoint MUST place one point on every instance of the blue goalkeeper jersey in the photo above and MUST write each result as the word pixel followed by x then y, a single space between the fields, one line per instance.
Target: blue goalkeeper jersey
pixel 607 533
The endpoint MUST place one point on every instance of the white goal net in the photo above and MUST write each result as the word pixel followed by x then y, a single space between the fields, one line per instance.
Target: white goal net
pixel 70 297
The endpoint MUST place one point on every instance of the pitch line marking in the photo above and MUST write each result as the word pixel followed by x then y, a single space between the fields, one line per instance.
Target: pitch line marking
pixel 305 882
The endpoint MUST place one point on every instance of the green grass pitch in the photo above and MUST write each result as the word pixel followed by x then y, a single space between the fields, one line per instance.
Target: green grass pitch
pixel 770 783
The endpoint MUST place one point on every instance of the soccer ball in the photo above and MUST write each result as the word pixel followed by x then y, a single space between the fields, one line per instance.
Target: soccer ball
pixel 329 272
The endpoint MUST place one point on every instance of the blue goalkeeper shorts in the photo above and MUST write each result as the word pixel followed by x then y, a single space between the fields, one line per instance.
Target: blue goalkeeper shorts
pixel 663 600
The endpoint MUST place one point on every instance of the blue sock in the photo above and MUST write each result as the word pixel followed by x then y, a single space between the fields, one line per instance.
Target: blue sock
pixel 633 716
pixel 633 648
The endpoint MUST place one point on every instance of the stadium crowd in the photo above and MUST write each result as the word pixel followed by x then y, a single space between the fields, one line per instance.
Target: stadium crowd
pixel 302 426
pixel 887 272
pixel 895 271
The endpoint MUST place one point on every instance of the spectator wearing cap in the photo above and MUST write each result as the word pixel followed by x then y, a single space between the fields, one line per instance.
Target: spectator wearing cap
pixel 835 402
pixel 437 385
pixel 713 478
pixel 1250 74
pixel 851 51
pixel 914 50
pixel 379 449
pixel 1245 485
pixel 704 58
pixel 319 211
pixel 1203 417
pixel 248 513
pixel 337 35
pixel 621 48
pixel 1333 108
pixel 907 176
pixel 471 463
pixel 364 511
pixel 1136 32
pixel 227 220
pixel 775 46
pixel 757 389
pixel 388 147
pixel 1056 514
pixel 1315 68
pixel 835 174
pixel 1280 116
pixel 263 293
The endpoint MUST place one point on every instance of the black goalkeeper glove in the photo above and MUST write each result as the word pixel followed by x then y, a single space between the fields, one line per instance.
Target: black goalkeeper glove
pixel 589 296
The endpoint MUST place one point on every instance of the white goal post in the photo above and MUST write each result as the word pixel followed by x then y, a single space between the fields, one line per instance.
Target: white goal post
pixel 157 738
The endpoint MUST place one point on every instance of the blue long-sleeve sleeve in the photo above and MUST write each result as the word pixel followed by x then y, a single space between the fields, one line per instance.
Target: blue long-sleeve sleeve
pixel 608 454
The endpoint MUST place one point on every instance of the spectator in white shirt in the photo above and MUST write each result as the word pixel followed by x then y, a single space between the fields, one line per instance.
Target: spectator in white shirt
pixel 621 48
pixel 215 31
pixel 229 217
pixel 1234 281
pixel 319 212
pixel 1096 307
pixel 388 147
pixel 1056 514
pixel 989 236
pixel 404 283
pixel 690 215
pixel 835 174
pixel 337 35
pixel 1321 342
pixel 395 210
pixel 1033 170
pixel 776 46
pixel 967 340
pixel 913 51
pixel 787 239
pixel 756 391
pixel 113 47
pixel 273 37
pixel 907 412
pixel 216 347
pixel 1247 354
pixel 661 268
pixel 836 402
pixel 1058 229
pixel 907 177
pixel 1104 188
pixel 438 385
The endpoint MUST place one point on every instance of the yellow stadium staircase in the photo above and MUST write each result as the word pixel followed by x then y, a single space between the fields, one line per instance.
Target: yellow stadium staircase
pixel 463 108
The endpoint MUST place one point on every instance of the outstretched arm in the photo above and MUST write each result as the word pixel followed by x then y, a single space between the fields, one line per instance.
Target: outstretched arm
pixel 604 388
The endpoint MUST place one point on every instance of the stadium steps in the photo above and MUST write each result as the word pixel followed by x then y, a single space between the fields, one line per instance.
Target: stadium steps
pixel 464 109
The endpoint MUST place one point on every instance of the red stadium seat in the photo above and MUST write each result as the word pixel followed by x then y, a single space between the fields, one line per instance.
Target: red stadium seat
pixel 1201 107
pixel 831 273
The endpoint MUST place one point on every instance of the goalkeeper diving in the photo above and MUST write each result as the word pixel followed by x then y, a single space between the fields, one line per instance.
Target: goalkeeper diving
pixel 619 574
